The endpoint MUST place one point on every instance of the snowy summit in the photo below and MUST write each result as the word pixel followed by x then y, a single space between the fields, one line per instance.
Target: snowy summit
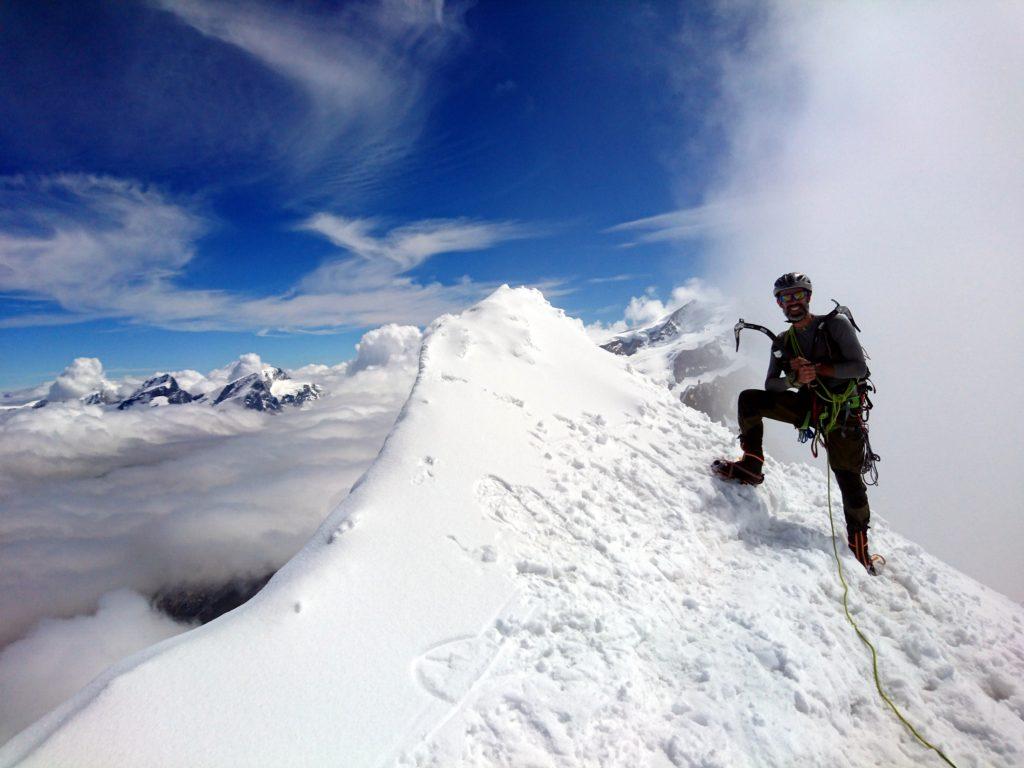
pixel 540 570
pixel 162 389
pixel 268 390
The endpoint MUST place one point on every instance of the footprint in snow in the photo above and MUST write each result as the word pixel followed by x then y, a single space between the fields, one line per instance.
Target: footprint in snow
pixel 344 527
pixel 448 670
pixel 425 470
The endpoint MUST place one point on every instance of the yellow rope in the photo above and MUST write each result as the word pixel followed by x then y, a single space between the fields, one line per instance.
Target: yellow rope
pixel 863 637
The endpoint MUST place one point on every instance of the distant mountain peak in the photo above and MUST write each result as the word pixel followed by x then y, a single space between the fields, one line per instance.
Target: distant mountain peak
pixel 690 351
pixel 690 323
pixel 159 390
pixel 269 389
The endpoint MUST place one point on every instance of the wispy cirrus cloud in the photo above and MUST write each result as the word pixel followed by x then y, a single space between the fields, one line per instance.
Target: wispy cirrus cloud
pixel 96 246
pixel 616 278
pixel 40 320
pixel 408 246
pixel 108 248
pixel 684 224
pixel 364 69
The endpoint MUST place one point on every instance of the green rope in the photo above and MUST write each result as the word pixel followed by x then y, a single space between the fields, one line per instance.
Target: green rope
pixel 863 637
pixel 835 405
pixel 791 335
pixel 830 417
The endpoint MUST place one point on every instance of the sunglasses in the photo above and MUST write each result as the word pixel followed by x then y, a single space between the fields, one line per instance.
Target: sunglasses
pixel 791 296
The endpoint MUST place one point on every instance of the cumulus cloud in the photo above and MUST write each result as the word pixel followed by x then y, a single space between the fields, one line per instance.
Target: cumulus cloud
pixel 83 376
pixel 877 147
pixel 100 247
pixel 387 345
pixel 647 309
pixel 247 364
pixel 192 381
pixel 60 656
pixel 642 310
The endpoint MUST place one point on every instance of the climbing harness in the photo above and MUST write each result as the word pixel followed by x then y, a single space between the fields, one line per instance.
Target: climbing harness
pixel 864 638
pixel 831 410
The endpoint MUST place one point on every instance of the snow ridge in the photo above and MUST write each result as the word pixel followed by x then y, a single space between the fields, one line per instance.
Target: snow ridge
pixel 539 570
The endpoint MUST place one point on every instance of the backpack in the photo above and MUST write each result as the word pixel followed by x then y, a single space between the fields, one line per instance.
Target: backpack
pixel 824 348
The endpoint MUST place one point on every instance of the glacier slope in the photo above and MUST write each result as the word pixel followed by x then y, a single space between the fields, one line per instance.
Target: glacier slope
pixel 539 570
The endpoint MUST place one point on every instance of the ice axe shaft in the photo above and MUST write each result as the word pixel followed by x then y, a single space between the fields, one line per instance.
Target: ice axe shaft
pixel 753 326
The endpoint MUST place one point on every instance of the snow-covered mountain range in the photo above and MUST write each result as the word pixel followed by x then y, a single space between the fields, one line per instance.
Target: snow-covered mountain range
pixel 691 351
pixel 267 389
pixel 538 569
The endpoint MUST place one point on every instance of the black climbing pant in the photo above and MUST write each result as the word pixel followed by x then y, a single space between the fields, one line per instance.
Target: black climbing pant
pixel 845 444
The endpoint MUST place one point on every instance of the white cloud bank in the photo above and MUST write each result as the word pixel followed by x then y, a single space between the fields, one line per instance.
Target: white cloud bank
pixel 878 147
pixel 96 500
pixel 60 656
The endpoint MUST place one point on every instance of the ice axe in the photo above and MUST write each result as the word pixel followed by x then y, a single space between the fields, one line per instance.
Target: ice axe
pixel 753 326
pixel 839 310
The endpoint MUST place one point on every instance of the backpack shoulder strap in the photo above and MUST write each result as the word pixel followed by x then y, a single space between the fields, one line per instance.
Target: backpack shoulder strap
pixel 826 328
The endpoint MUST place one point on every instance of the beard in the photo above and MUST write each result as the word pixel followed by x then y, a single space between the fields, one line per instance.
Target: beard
pixel 795 312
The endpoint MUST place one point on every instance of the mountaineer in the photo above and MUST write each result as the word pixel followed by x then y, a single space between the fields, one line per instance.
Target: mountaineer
pixel 817 381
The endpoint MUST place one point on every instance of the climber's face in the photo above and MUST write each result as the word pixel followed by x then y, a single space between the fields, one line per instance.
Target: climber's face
pixel 795 303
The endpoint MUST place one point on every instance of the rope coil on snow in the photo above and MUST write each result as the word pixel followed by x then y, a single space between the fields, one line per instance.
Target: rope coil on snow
pixel 863 637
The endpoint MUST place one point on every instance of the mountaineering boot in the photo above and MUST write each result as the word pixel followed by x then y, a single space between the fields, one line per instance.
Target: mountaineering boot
pixel 747 470
pixel 858 542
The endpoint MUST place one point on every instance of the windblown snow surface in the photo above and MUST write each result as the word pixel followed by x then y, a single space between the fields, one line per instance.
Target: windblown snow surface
pixel 538 570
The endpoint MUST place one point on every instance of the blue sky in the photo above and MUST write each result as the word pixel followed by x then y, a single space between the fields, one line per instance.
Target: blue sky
pixel 187 180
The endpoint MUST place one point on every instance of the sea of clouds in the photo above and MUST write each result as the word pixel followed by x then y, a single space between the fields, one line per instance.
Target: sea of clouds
pixel 101 508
